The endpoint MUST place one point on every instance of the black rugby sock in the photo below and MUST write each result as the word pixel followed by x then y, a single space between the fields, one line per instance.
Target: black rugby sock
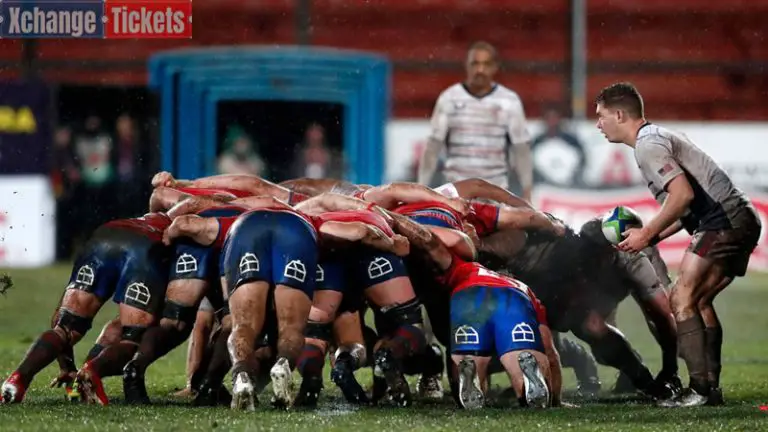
pixel 157 342
pixel 615 351
pixel 714 337
pixel 220 361
pixel 43 352
pixel 113 359
pixel 407 341
pixel 96 349
pixel 693 349
pixel 311 361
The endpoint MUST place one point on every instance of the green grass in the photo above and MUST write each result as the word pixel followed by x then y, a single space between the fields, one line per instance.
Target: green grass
pixel 25 311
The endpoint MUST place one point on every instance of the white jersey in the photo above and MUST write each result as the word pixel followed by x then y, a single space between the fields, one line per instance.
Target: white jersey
pixel 477 132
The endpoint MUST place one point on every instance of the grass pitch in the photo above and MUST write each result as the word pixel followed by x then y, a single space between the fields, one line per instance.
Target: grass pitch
pixel 26 310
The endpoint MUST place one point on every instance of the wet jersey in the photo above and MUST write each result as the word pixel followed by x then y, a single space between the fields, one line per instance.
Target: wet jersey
pixel 484 217
pixel 227 192
pixel 151 225
pixel 431 213
pixel 364 216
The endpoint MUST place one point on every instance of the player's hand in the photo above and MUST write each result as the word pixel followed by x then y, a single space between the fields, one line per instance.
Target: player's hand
pixel 401 246
pixel 163 178
pixel 178 228
pixel 558 227
pixel 65 377
pixel 460 205
pixel 635 240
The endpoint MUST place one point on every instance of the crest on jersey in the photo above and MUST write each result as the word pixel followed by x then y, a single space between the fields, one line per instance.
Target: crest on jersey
pixel 295 270
pixel 186 264
pixel 319 274
pixel 137 292
pixel 522 332
pixel 465 335
pixel 459 105
pixel 85 275
pixel 379 267
pixel 248 263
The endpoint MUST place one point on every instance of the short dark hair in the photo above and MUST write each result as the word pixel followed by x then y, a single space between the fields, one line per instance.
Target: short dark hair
pixel 622 95
pixel 485 46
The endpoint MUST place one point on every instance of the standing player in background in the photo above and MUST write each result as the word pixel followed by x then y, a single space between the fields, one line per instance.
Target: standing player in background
pixel 481 124
pixel 695 194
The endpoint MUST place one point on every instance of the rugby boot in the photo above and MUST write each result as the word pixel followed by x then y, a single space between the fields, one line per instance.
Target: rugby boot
pixel 282 383
pixel 535 386
pixel 588 388
pixel 430 385
pixel 13 389
pixel 213 395
pixel 309 391
pixel 715 397
pixel 623 384
pixel 667 387
pixel 343 375
pixel 470 394
pixel 688 398
pixel 397 387
pixel 134 387
pixel 243 395
pixel 91 387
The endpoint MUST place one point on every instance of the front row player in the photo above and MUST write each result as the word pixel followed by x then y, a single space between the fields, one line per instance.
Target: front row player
pixel 490 313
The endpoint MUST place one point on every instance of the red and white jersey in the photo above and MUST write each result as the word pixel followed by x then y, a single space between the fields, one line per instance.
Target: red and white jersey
pixel 227 192
pixel 478 131
pixel 365 216
pixel 151 225
pixel 431 213
pixel 465 274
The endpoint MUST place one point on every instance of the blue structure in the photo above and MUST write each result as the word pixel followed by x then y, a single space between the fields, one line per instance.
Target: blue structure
pixel 192 82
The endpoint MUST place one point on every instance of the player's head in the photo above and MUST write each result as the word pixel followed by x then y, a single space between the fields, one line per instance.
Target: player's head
pixel 619 109
pixel 482 64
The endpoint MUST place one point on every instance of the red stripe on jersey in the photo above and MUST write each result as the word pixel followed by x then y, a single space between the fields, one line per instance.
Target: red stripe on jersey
pixel 406 209
pixel 150 225
pixel 484 217
pixel 232 193
pixel 295 198
pixel 225 223
pixel 365 216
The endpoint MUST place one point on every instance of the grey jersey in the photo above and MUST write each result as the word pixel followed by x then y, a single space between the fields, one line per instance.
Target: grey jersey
pixel 663 154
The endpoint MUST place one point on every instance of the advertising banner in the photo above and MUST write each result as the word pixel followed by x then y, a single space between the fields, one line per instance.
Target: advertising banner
pixel 25 129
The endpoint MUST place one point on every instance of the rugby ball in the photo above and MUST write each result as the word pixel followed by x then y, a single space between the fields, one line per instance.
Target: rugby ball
pixel 618 220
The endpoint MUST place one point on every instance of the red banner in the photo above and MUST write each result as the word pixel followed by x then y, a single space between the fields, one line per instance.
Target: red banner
pixel 578 206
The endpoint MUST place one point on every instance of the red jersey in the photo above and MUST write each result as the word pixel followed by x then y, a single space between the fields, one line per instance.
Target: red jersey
pixel 365 216
pixel 151 225
pixel 231 193
pixel 295 198
pixel 431 213
pixel 484 217
pixel 225 223
pixel 464 274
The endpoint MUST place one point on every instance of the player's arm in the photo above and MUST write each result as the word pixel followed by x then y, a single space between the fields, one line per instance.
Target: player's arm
pixel 656 162
pixel 330 202
pixel 248 183
pixel 309 186
pixel 163 198
pixel 436 143
pixel 390 195
pixel 520 150
pixel 423 239
pixel 523 219
pixel 262 201
pixel 366 234
pixel 478 188
pixel 195 204
pixel 201 230
pixel 671 230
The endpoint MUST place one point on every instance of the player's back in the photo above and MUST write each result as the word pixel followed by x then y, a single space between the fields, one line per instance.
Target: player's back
pixel 716 200
pixel 150 225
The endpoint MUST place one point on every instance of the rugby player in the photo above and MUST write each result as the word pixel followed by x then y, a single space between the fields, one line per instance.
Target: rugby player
pixel 695 194
pixel 490 313
pixel 482 127
pixel 125 259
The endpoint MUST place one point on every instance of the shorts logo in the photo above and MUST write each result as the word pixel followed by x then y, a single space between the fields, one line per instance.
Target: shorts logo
pixel 186 264
pixel 85 275
pixel 319 274
pixel 522 332
pixel 249 263
pixel 295 270
pixel 379 267
pixel 139 293
pixel 466 335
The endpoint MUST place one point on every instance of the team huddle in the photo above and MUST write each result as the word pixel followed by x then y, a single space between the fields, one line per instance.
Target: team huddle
pixel 290 271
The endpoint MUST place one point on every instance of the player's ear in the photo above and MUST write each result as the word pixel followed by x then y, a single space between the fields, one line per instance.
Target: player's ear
pixel 621 116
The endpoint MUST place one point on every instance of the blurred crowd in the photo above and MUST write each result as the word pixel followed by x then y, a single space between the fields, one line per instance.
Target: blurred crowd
pixel 100 172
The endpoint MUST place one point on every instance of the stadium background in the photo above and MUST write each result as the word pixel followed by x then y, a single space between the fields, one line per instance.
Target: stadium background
pixel 83 127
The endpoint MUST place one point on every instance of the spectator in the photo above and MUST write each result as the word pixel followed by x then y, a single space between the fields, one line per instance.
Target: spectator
pixel 558 155
pixel 94 151
pixel 316 160
pixel 65 176
pixel 129 167
pixel 239 155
